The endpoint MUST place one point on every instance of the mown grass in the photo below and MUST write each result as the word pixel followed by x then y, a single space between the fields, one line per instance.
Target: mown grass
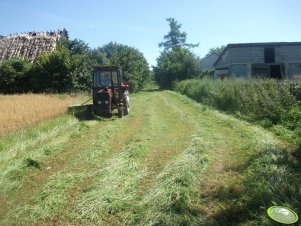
pixel 248 170
pixel 41 188
pixel 26 110
pixel 272 178
pixel 170 162
pixel 25 150
pixel 170 200
pixel 115 196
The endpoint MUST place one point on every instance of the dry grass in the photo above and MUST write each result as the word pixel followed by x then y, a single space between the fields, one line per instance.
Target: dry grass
pixel 21 111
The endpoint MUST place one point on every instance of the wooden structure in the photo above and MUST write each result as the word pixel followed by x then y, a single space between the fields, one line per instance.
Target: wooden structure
pixel 281 60
pixel 29 45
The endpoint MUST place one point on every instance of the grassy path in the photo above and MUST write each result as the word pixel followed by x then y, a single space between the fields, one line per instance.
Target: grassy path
pixel 170 162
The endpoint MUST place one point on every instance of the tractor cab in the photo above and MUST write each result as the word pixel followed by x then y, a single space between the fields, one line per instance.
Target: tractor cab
pixel 109 92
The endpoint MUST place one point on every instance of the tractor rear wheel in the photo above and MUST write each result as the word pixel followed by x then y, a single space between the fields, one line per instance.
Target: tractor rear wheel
pixel 126 105
pixel 120 112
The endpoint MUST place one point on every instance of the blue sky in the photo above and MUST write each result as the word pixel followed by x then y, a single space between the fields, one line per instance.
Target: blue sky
pixel 142 23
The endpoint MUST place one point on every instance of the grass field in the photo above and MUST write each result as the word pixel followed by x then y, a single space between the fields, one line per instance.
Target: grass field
pixel 171 161
pixel 25 110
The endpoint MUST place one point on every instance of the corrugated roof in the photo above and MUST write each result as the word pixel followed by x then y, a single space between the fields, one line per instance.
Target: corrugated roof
pixel 209 55
pixel 263 44
pixel 258 44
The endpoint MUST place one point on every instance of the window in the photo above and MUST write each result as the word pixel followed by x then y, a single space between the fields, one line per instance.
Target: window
pixel 102 79
pixel 114 78
pixel 269 55
pixel 96 79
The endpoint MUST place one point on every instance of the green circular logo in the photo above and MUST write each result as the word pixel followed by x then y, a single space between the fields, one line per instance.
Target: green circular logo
pixel 282 214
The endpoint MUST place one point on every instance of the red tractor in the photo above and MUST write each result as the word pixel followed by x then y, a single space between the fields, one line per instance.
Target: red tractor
pixel 110 92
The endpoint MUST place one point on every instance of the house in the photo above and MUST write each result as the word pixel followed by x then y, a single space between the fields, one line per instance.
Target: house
pixel 281 60
pixel 208 61
pixel 29 45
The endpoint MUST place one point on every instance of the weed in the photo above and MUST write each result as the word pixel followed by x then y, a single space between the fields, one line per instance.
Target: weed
pixel 32 163
pixel 263 101
pixel 258 99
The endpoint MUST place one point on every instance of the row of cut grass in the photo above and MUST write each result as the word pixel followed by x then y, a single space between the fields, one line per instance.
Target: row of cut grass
pixel 88 143
pixel 61 168
pixel 25 150
pixel 207 168
pixel 116 191
pixel 248 169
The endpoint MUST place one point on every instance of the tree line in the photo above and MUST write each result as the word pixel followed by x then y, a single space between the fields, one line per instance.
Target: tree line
pixel 70 66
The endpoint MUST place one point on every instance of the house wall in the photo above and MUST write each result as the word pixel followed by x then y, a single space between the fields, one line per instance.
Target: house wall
pixel 239 70
pixel 246 55
pixel 242 55
pixel 293 70
pixel 287 53
pixel 291 57
pixel 240 60
pixel 256 54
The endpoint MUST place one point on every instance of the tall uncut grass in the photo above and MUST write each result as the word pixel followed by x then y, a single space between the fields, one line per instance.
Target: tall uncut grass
pixel 21 111
pixel 257 99
pixel 265 101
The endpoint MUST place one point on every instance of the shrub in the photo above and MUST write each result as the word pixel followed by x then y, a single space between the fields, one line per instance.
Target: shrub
pixel 14 76
pixel 263 100
pixel 267 102
pixel 176 64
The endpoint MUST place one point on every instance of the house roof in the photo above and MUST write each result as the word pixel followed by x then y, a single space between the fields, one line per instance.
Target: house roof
pixel 263 44
pixel 30 44
pixel 209 55
pixel 258 44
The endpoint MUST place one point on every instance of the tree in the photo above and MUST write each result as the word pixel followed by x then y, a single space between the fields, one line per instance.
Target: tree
pixel 176 65
pixel 217 50
pixel 51 71
pixel 77 46
pixel 70 67
pixel 133 63
pixel 175 38
pixel 176 62
pixel 82 61
pixel 14 76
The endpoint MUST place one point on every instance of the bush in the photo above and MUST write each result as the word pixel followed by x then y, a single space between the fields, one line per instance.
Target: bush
pixel 295 88
pixel 292 118
pixel 70 66
pixel 51 72
pixel 14 76
pixel 263 100
pixel 175 65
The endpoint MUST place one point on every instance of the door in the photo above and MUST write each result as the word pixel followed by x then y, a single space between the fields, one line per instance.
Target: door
pixel 275 71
